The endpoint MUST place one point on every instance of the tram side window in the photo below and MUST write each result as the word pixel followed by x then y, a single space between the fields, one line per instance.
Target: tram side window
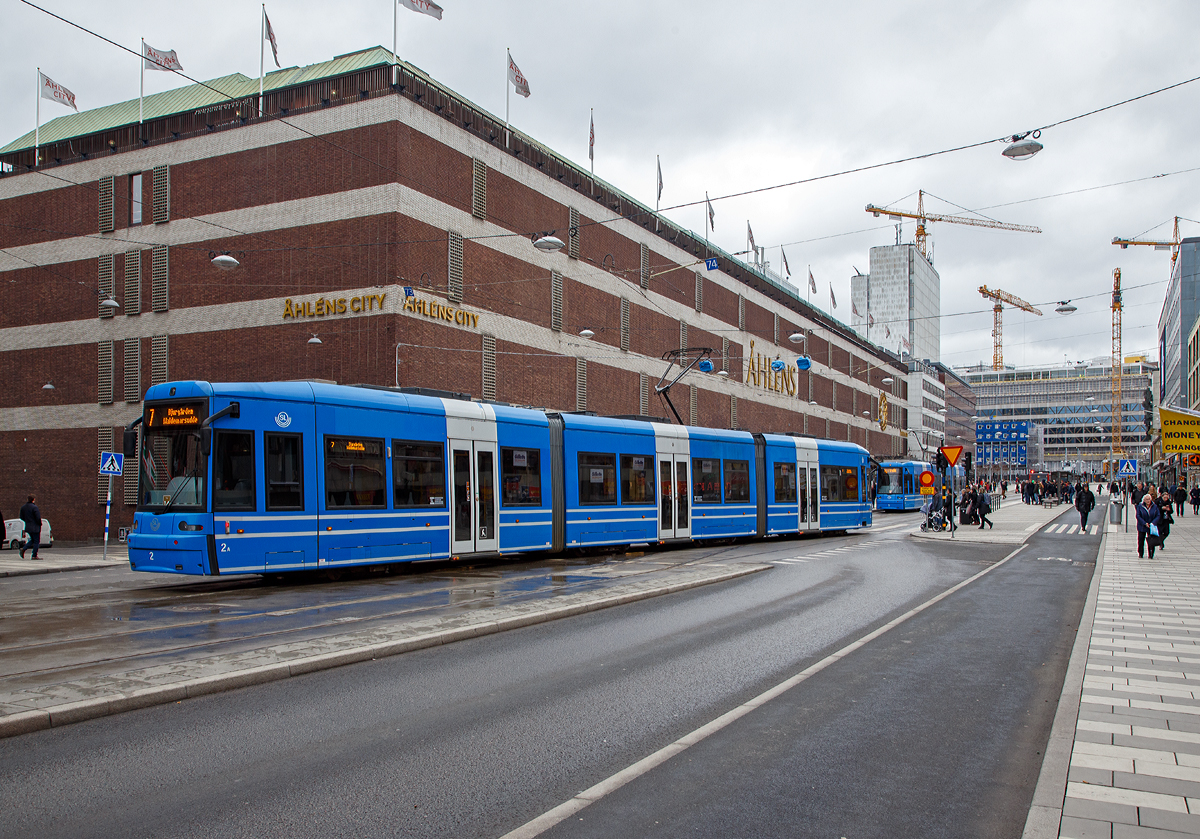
pixel 355 475
pixel 285 472
pixel 908 486
pixel 785 483
pixel 839 483
pixel 737 481
pixel 418 474
pixel 637 479
pixel 597 478
pixel 521 477
pixel 706 480
pixel 233 471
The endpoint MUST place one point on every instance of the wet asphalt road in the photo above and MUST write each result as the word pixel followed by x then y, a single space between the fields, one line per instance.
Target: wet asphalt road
pixel 934 729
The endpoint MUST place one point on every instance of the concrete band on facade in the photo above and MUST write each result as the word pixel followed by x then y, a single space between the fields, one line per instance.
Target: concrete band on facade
pixel 332 231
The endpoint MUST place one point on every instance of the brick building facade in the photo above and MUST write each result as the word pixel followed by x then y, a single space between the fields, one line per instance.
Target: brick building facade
pixel 394 223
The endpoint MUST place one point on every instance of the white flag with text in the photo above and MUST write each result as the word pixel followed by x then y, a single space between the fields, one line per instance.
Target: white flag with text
pixel 517 78
pixel 271 37
pixel 424 7
pixel 165 60
pixel 55 92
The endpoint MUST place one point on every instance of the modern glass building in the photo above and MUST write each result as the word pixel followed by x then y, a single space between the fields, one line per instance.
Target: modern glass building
pixel 1070 406
pixel 1175 323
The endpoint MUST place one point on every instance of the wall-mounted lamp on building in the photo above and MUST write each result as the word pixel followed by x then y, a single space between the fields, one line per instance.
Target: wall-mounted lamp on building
pixel 109 303
pixel 314 339
pixel 48 386
pixel 866 413
pixel 224 261
pixel 1022 146
pixel 812 402
pixel 1064 307
pixel 547 242
pixel 724 374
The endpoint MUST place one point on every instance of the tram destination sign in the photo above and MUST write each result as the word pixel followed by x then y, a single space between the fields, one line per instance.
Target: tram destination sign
pixel 179 415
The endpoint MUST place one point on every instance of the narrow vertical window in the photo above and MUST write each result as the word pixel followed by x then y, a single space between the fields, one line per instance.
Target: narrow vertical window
pixel 489 368
pixel 699 292
pixel 454 280
pixel 159 279
pixel 162 194
pixel 645 273
pixel 556 301
pixel 106 283
pixel 581 393
pixel 104 443
pixel 135 199
pixel 624 325
pixel 104 373
pixel 643 395
pixel 573 235
pixel 478 188
pixel 107 220
pixel 133 369
pixel 133 283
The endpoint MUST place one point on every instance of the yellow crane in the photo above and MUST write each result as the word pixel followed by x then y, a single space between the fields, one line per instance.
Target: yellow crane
pixel 923 219
pixel 998 320
pixel 1118 403
pixel 1172 246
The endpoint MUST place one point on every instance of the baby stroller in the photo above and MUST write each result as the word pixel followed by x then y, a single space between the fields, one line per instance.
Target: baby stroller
pixel 934 519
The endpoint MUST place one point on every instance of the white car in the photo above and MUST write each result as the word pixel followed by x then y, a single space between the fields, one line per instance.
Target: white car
pixel 15 536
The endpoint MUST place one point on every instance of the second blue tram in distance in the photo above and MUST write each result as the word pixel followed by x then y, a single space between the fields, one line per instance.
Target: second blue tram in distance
pixel 292 476
pixel 897 489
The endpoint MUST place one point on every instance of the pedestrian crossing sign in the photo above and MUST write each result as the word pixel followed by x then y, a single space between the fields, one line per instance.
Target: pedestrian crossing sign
pixel 1128 468
pixel 111 463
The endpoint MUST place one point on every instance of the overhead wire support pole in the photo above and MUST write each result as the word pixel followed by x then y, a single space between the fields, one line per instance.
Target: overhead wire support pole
pixel 673 357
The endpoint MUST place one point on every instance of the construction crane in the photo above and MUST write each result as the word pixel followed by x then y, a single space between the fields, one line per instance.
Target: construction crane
pixel 998 320
pixel 1118 407
pixel 923 219
pixel 1172 246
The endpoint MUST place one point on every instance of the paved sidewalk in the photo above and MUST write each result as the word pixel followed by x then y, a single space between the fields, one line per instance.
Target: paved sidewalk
pixel 1014 522
pixel 1133 738
pixel 61 558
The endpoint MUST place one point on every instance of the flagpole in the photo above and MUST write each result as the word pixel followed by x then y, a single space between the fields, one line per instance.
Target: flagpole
pixel 395 38
pixel 657 180
pixel 591 142
pixel 37 124
pixel 142 91
pixel 508 61
pixel 262 36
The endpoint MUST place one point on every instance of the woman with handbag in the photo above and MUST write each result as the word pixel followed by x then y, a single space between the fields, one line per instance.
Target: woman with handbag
pixel 1148 517
pixel 1166 506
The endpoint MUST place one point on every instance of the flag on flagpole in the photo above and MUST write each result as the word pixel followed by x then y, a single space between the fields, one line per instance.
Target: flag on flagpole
pixel 520 84
pixel 907 345
pixel 271 37
pixel 832 298
pixel 870 319
pixel 853 308
pixel 812 284
pixel 165 60
pixel 425 8
pixel 887 330
pixel 750 237
pixel 711 215
pixel 659 163
pixel 786 269
pixel 55 92
pixel 591 136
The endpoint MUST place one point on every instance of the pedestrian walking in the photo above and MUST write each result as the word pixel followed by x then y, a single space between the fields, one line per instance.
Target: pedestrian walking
pixel 1195 499
pixel 984 505
pixel 1148 517
pixel 1165 506
pixel 1085 502
pixel 32 516
pixel 1181 496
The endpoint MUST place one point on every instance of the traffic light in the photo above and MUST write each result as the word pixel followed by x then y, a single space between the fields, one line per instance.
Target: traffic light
pixel 967 464
pixel 1148 404
pixel 941 463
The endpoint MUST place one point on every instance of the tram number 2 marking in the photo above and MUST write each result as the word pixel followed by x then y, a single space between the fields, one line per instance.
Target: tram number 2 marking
pixel 224 547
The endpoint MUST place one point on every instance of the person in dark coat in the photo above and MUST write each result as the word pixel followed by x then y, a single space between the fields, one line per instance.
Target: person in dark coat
pixel 983 505
pixel 32 516
pixel 1165 506
pixel 1085 502
pixel 1195 499
pixel 1147 514
pixel 1181 496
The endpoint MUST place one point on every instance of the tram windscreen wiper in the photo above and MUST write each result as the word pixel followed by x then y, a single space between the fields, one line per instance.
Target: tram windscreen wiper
pixel 190 476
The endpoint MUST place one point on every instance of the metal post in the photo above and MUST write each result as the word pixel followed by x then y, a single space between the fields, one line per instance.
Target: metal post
pixel 107 513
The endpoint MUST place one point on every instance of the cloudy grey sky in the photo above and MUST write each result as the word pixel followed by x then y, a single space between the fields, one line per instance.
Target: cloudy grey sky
pixel 738 96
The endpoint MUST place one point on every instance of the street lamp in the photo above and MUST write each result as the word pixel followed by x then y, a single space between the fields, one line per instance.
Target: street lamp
pixel 1064 307
pixel 1023 146
pixel 547 242
pixel 224 261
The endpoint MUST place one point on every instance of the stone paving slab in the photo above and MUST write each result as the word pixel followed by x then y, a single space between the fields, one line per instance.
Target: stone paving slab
pixel 1133 762
pixel 31 708
pixel 62 558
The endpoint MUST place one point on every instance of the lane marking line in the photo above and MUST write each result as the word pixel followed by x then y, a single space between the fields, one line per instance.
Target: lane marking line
pixel 550 818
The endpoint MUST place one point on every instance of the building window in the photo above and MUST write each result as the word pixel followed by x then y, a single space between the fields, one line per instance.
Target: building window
pixel 159 279
pixel 645 272
pixel 133 369
pixel 106 283
pixel 454 281
pixel 104 443
pixel 556 301
pixel 643 394
pixel 573 235
pixel 624 325
pixel 104 373
pixel 581 393
pixel 489 368
pixel 162 194
pixel 107 187
pixel 133 283
pixel 158 359
pixel 478 188
pixel 135 199
pixel 699 292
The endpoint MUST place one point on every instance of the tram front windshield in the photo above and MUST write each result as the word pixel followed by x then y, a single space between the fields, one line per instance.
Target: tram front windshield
pixel 889 481
pixel 172 466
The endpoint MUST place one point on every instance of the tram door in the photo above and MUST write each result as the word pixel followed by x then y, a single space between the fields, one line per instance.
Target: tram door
pixel 808 487
pixel 674 497
pixel 474 514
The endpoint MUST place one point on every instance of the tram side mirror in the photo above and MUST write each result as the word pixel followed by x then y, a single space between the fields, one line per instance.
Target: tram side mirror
pixel 206 441
pixel 129 442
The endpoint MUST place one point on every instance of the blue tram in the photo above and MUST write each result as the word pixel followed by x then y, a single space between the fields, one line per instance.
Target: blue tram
pixel 292 476
pixel 898 489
